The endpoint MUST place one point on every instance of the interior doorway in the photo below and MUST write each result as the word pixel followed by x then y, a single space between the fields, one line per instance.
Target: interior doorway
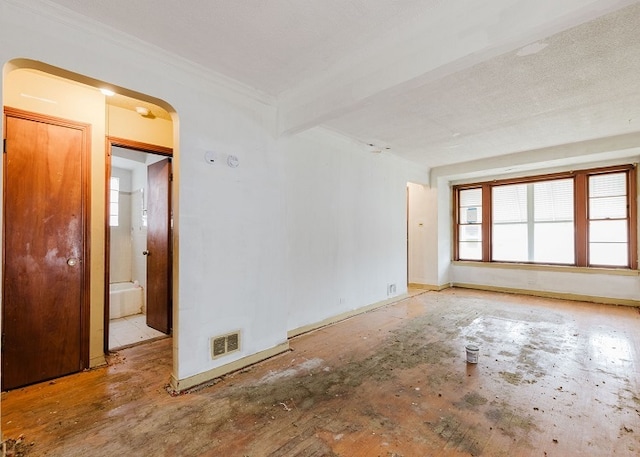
pixel 139 267
pixel 69 334
pixel 417 230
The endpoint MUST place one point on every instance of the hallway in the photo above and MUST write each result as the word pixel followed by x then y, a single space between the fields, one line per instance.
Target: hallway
pixel 554 378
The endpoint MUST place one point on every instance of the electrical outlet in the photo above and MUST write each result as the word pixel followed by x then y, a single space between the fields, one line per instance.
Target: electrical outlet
pixel 391 289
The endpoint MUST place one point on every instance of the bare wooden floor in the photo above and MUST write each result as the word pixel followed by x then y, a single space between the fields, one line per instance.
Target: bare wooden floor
pixel 554 378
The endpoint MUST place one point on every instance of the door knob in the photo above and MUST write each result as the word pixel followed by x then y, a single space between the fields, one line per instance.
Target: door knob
pixel 72 262
pixel 145 252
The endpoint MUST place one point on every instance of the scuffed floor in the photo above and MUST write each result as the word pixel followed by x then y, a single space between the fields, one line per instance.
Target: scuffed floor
pixel 554 378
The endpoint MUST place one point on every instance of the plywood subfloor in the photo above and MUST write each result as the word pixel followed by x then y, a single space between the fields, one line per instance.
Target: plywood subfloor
pixel 554 378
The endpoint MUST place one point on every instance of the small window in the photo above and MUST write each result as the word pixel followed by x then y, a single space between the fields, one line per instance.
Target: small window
pixel 114 198
pixel 470 229
pixel 608 240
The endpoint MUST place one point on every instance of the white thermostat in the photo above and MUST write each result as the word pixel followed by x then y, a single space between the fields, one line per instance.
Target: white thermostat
pixel 213 157
pixel 233 161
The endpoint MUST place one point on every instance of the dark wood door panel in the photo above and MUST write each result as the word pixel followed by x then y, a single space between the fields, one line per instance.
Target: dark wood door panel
pixel 159 307
pixel 44 245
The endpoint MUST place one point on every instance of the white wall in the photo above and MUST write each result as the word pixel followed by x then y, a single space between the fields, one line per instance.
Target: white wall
pixel 345 226
pixel 120 237
pixel 441 264
pixel 577 283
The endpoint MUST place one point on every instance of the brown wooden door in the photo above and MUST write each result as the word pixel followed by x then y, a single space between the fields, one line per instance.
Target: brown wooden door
pixel 159 307
pixel 43 307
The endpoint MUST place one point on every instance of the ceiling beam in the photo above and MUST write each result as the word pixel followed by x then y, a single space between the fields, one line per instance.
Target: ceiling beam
pixel 455 36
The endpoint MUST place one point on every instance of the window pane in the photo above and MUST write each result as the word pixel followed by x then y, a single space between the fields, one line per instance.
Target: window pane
pixel 470 236
pixel 608 231
pixel 471 197
pixel 553 200
pixel 510 242
pixel 553 242
pixel 114 195
pixel 608 207
pixel 608 185
pixel 470 233
pixel 608 238
pixel 470 250
pixel 509 203
pixel 470 206
pixel 608 254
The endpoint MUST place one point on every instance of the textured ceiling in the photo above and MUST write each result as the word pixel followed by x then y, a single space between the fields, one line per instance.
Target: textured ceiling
pixel 438 82
pixel 584 84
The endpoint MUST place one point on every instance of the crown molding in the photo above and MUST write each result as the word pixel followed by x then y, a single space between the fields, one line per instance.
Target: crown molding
pixel 53 12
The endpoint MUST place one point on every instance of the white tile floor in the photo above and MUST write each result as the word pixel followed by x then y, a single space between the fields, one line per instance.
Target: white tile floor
pixel 129 330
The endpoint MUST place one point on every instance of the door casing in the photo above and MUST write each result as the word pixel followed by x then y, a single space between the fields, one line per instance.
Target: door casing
pixel 112 141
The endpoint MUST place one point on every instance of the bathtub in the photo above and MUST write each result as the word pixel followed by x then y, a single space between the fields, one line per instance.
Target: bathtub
pixel 125 299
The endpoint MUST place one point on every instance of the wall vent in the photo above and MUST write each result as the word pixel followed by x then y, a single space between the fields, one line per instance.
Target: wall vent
pixel 224 344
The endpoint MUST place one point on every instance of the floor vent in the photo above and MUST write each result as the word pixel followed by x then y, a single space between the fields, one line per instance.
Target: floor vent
pixel 221 345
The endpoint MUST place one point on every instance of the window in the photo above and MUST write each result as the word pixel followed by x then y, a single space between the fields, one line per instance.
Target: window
pixel 470 234
pixel 114 195
pixel 608 239
pixel 533 222
pixel 583 218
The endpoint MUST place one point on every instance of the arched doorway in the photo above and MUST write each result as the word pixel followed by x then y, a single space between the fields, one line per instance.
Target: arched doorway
pixel 51 93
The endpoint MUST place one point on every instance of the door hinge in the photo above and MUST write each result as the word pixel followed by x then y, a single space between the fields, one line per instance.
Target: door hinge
pixel 171 177
pixel 4 145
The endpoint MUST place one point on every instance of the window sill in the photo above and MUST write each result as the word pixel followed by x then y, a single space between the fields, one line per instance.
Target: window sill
pixel 554 268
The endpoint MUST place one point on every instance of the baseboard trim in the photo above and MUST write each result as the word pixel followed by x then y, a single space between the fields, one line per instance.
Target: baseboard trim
pixel 549 294
pixel 96 362
pixel 180 385
pixel 418 285
pixel 343 316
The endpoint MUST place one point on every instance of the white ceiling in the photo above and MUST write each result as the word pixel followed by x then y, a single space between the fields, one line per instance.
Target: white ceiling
pixel 270 45
pixel 436 81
